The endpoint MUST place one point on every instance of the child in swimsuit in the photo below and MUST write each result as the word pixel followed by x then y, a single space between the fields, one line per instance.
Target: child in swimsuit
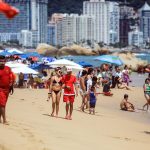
pixel 92 97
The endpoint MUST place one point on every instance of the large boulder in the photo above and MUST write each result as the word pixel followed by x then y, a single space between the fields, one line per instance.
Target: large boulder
pixel 131 59
pixel 75 50
pixel 47 50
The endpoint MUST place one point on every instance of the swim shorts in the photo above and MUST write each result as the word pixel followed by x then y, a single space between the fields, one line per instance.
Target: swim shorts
pixel 69 98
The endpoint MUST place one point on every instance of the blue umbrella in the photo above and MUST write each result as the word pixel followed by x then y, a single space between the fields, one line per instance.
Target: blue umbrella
pixel 5 53
pixel 39 66
pixel 110 59
pixel 85 64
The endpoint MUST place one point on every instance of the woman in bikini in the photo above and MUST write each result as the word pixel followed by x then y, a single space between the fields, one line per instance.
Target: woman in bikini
pixel 55 90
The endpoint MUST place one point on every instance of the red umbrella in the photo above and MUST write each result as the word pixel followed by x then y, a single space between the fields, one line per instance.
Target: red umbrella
pixel 9 11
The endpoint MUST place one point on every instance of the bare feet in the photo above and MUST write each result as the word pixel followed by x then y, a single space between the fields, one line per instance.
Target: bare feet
pixel 52 115
pixel 67 117
pixel 6 123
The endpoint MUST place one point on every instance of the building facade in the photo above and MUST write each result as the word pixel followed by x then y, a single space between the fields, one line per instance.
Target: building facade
pixel 32 17
pixel 135 38
pixel 125 14
pixel 106 23
pixel 144 14
pixel 74 28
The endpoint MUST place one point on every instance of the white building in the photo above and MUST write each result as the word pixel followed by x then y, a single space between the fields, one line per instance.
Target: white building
pixel 4 37
pixel 144 14
pixel 74 29
pixel 135 38
pixel 26 38
pixel 106 25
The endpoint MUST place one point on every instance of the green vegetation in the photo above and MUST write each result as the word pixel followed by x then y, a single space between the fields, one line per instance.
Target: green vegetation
pixel 76 6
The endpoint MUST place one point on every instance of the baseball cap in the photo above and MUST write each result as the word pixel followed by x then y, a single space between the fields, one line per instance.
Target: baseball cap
pixel 69 69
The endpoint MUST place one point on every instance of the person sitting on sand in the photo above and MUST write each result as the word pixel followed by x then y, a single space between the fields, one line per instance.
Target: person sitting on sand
pixel 55 90
pixel 106 88
pixel 126 105
pixel 146 88
pixel 92 99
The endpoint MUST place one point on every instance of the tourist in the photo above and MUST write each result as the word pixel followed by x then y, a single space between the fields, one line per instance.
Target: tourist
pixel 125 74
pixel 21 80
pixel 69 84
pixel 146 88
pixel 126 105
pixel 83 89
pixel 106 88
pixel 6 81
pixel 55 91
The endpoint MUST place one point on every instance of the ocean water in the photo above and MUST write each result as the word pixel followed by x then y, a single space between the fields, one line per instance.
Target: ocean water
pixel 90 59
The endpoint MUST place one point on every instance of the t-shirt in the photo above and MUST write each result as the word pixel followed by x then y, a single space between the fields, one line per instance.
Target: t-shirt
pixel 6 77
pixel 69 80
pixel 89 84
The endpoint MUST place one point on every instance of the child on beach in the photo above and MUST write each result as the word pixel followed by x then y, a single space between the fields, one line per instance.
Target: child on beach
pixel 126 105
pixel 92 99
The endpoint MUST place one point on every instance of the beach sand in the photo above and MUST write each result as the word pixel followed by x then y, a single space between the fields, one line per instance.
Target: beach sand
pixel 32 128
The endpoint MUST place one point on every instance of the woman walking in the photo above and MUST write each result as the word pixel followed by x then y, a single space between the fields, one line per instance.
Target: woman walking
pixel 55 91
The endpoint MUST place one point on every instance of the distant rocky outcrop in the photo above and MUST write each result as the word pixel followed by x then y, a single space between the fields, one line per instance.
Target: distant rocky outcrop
pixel 75 50
pixel 131 59
pixel 46 50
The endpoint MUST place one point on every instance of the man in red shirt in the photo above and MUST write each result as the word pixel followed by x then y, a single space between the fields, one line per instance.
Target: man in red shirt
pixel 69 84
pixel 6 81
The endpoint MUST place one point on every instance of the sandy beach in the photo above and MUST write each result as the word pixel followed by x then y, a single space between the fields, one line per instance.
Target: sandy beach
pixel 32 128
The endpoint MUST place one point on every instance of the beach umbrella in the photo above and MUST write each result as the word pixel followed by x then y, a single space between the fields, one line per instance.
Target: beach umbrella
pixel 24 70
pixel 110 59
pixel 15 65
pixel 48 59
pixel 8 10
pixel 14 51
pixel 5 53
pixel 40 66
pixel 63 62
pixel 85 64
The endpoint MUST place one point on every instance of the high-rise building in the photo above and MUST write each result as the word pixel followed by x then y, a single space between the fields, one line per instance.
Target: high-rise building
pixel 144 14
pixel 135 38
pixel 32 17
pixel 125 14
pixel 74 28
pixel 106 25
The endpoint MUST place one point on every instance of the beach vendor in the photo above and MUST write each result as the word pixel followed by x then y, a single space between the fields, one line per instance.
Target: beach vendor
pixel 69 85
pixel 6 82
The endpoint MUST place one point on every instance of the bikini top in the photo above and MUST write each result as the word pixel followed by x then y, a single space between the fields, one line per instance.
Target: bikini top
pixel 55 82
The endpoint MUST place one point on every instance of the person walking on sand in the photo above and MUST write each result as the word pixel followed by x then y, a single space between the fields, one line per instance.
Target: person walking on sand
pixel 126 105
pixel 55 91
pixel 146 88
pixel 69 84
pixel 6 82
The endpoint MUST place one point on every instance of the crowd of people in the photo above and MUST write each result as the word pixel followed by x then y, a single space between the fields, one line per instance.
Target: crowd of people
pixel 88 83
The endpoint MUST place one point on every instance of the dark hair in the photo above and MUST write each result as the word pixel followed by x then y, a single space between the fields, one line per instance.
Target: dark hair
pixel 126 96
pixel 2 57
pixel 92 88
pixel 84 72
pixel 147 79
pixel 90 71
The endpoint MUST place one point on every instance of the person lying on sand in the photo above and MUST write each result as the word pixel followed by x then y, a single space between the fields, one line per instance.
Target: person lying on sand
pixel 126 105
